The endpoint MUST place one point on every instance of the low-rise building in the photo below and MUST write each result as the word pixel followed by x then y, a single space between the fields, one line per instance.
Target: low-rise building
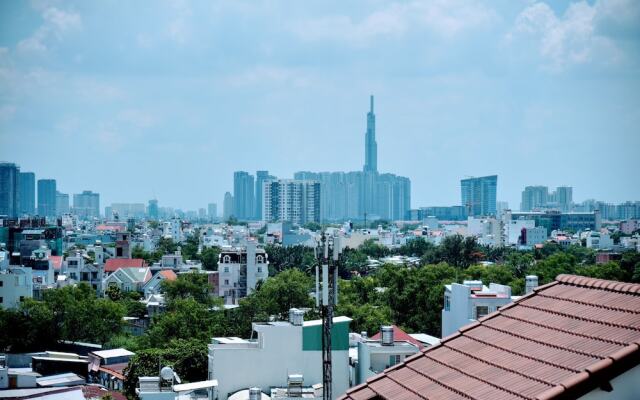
pixel 16 284
pixel 277 350
pixel 471 300
pixel 128 279
pixel 239 270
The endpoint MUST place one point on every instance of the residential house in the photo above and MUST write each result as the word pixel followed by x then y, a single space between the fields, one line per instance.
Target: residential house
pixel 128 279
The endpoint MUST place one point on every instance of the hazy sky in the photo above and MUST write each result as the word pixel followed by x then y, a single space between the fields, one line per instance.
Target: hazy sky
pixel 142 99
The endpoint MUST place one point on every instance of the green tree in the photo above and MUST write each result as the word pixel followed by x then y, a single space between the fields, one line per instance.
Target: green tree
pixel 288 289
pixel 188 358
pixel 189 286
pixel 209 258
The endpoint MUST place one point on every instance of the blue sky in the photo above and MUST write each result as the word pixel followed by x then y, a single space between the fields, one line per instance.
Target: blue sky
pixel 167 98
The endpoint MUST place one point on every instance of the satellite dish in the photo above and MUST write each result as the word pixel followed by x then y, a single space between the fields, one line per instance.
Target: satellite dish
pixel 166 373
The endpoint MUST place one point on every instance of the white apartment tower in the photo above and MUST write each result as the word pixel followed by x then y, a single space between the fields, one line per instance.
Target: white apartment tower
pixel 292 200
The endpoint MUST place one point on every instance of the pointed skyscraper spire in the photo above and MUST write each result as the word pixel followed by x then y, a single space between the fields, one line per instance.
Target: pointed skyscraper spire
pixel 370 145
pixel 371 104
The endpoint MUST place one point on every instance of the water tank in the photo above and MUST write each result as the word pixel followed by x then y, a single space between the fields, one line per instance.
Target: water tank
pixel 296 317
pixel 363 334
pixel 386 332
pixel 255 393
pixel 531 282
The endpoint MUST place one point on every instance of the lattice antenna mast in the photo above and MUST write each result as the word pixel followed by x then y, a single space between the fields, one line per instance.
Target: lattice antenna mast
pixel 326 299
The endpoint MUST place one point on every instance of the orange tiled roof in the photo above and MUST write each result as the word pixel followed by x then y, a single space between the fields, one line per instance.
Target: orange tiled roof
pixel 559 342
pixel 56 261
pixel 169 275
pixel 113 264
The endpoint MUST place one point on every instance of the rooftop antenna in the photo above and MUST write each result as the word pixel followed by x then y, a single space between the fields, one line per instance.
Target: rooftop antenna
pixel 327 300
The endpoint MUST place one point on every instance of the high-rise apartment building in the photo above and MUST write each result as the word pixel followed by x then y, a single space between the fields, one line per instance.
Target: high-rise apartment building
pixel 261 177
pixel 62 203
pixel 534 197
pixel 9 194
pixel 27 193
pixel 152 210
pixel 291 200
pixel 243 195
pixel 86 204
pixel 479 195
pixel 227 206
pixel 212 211
pixel 564 198
pixel 47 198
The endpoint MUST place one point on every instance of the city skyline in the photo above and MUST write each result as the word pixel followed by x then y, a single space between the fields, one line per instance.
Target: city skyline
pixel 187 109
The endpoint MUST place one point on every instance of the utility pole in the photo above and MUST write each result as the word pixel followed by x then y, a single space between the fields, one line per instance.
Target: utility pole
pixel 326 300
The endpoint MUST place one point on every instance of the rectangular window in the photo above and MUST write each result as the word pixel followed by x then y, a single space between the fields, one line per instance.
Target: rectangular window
pixel 1 283
pixel 481 311
pixel 447 303
pixel 226 269
pixel 394 359
pixel 226 281
pixel 259 269
pixel 1 300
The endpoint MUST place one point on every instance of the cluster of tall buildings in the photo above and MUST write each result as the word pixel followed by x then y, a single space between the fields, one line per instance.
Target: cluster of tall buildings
pixel 322 196
pixel 18 196
pixel 539 197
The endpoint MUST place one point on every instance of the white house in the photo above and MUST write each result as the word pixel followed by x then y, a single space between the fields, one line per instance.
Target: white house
pixel 128 279
pixel 240 269
pixel 16 284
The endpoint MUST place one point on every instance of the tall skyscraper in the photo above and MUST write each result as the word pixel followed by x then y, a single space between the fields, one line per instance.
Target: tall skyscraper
pixel 9 194
pixel 261 177
pixel 534 197
pixel 227 206
pixel 62 203
pixel 291 200
pixel 479 195
pixel 243 195
pixel 152 209
pixel 27 190
pixel 351 195
pixel 47 198
pixel 86 204
pixel 212 211
pixel 370 145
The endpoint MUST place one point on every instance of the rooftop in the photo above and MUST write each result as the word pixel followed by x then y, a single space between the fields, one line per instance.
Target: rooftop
pixel 113 264
pixel 562 340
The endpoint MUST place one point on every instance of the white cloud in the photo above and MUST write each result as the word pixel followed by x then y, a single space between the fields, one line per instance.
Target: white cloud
pixel 565 40
pixel 444 18
pixel 56 24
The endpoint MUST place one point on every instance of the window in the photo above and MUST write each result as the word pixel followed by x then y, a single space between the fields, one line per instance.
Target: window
pixel 226 259
pixel 119 252
pixel 394 359
pixel 1 300
pixel 481 311
pixel 259 269
pixel 226 269
pixel 259 259
pixel 1 283
pixel 21 298
pixel 447 303
pixel 226 281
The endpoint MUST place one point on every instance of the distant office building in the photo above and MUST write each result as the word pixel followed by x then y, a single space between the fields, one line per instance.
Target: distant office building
pixel 27 195
pixel 501 206
pixel 9 194
pixel 86 204
pixel 212 211
pixel 47 197
pixel 291 200
pixel 534 197
pixel 125 211
pixel 62 203
pixel 261 177
pixel 452 213
pixel 555 220
pixel 243 195
pixel 202 213
pixel 152 209
pixel 227 206
pixel 479 195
